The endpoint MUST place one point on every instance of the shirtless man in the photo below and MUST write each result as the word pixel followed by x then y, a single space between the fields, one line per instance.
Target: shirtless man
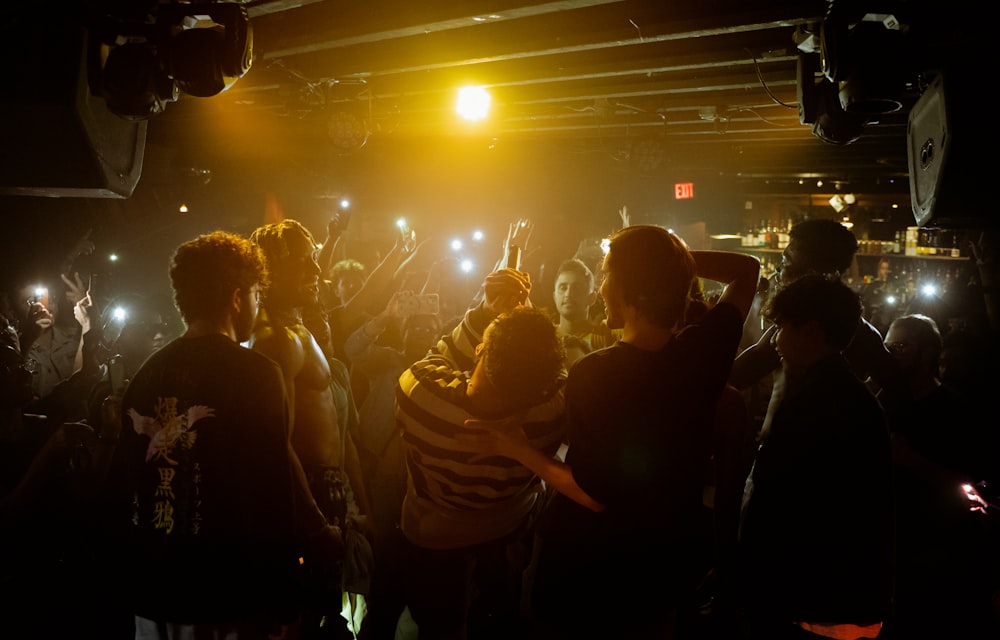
pixel 324 451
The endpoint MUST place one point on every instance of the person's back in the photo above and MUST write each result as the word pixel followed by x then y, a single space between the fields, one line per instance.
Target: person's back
pixel 815 534
pixel 211 543
pixel 630 511
pixel 466 514
pixel 477 499
pixel 214 502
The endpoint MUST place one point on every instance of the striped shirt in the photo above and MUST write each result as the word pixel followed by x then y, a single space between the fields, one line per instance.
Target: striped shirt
pixel 456 497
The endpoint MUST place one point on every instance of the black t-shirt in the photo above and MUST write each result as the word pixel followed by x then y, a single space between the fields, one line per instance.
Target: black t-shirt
pixel 639 442
pixel 204 440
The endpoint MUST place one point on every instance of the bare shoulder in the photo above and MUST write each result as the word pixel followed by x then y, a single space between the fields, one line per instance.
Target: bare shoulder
pixel 283 345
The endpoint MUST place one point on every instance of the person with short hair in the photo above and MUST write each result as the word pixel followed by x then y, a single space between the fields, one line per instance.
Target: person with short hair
pixel 212 545
pixel 823 246
pixel 624 524
pixel 816 534
pixel 574 294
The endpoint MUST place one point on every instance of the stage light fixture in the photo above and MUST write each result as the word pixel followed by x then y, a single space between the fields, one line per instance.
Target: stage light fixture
pixel 139 64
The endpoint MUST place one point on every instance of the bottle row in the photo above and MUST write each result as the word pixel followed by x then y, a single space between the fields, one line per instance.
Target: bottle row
pixel 767 235
pixel 917 241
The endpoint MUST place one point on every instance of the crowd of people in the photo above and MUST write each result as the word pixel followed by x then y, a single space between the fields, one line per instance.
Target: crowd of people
pixel 663 445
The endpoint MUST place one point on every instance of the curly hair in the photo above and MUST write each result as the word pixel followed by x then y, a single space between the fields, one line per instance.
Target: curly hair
pixel 823 298
pixel 524 356
pixel 273 239
pixel 826 246
pixel 655 271
pixel 205 271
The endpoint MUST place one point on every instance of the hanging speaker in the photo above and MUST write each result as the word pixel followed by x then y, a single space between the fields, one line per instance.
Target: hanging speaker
pixel 58 139
pixel 947 152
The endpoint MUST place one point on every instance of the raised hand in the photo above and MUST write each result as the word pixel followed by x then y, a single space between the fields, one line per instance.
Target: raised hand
pixel 84 246
pixel 625 216
pixel 81 311
pixel 506 289
pixel 519 233
pixel 75 288
pixel 338 224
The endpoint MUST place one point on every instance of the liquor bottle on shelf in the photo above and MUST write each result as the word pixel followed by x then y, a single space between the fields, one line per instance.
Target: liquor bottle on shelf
pixel 783 230
pixel 955 251
pixel 911 236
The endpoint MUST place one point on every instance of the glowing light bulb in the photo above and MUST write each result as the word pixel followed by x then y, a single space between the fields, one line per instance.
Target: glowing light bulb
pixel 466 266
pixel 473 103
pixel 456 245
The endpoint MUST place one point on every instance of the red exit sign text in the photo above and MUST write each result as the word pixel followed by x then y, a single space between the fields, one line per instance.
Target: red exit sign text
pixel 683 190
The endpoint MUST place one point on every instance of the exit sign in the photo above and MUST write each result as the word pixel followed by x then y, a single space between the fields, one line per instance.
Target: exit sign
pixel 683 190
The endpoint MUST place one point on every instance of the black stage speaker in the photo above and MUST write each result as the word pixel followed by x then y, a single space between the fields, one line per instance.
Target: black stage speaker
pixel 948 147
pixel 56 139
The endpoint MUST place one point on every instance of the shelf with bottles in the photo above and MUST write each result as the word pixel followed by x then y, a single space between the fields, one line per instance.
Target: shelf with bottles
pixel 911 243
pixel 918 243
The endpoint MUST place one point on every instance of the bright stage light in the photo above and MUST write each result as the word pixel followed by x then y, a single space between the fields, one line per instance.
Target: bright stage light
pixel 473 103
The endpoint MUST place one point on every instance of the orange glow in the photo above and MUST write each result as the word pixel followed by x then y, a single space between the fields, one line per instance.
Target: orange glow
pixel 272 209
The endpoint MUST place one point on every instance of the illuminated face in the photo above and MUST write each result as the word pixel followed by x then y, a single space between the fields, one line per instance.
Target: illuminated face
pixel 573 295
pixel 295 278
pixel 614 299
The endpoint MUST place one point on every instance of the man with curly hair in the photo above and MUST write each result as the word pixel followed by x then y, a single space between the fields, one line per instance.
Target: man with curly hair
pixel 323 410
pixel 211 477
